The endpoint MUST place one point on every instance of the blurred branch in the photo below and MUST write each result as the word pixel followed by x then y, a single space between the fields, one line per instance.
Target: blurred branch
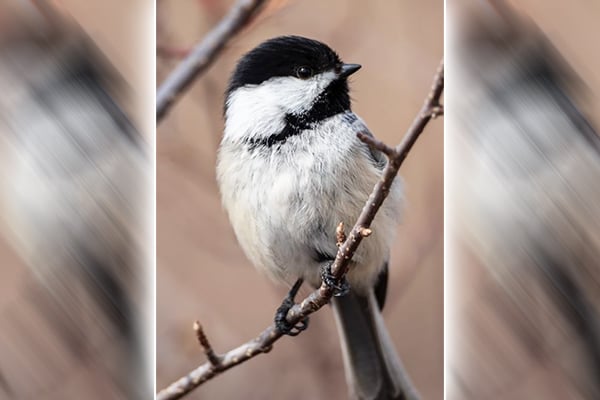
pixel 203 55
pixel 317 299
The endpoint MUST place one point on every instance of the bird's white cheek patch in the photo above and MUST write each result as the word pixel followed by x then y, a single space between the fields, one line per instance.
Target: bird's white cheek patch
pixel 259 111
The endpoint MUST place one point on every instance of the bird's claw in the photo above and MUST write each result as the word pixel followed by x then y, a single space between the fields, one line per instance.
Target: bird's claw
pixel 281 322
pixel 339 288
pixel 283 325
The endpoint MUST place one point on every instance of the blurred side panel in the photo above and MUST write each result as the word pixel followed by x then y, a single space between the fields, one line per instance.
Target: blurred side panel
pixel 523 261
pixel 76 172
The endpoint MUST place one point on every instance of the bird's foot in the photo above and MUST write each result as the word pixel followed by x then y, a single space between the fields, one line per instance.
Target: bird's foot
pixel 339 288
pixel 281 322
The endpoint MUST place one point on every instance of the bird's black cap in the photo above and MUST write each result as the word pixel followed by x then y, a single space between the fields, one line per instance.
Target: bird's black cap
pixel 283 56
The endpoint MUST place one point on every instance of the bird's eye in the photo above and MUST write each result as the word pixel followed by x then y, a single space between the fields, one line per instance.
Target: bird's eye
pixel 304 72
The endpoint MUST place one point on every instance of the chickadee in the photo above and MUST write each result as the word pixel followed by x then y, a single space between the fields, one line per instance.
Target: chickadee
pixel 72 181
pixel 290 169
pixel 530 198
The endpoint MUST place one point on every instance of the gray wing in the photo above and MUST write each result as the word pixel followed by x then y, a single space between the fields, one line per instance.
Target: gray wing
pixel 358 125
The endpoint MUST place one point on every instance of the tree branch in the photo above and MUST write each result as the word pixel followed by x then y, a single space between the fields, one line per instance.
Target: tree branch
pixel 317 299
pixel 212 357
pixel 203 55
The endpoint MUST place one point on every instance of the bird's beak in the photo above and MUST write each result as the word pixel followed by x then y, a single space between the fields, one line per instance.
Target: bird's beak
pixel 349 69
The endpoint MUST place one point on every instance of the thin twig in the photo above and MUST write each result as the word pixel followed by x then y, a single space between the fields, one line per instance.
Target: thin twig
pixel 340 235
pixel 212 357
pixel 382 188
pixel 204 54
pixel 318 298
pixel 390 152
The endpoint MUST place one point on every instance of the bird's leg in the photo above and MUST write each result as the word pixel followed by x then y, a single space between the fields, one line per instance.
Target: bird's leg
pixel 340 288
pixel 281 315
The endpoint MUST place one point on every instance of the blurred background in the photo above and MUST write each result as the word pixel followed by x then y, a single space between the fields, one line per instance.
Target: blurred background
pixel 75 165
pixel 201 271
pixel 523 220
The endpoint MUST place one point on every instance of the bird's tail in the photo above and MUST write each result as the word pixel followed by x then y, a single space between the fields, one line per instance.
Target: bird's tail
pixel 373 368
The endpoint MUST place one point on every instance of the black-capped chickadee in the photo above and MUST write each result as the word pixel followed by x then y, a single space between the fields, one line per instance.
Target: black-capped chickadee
pixel 290 169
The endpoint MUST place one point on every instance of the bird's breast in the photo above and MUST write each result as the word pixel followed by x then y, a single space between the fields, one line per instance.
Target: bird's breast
pixel 285 202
